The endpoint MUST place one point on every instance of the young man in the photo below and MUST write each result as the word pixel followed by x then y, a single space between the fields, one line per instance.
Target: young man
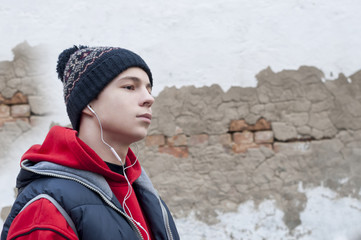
pixel 87 183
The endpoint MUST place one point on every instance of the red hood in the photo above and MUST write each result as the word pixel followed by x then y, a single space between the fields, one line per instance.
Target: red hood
pixel 62 146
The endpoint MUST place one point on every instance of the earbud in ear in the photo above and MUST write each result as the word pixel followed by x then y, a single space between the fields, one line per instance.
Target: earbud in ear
pixel 89 107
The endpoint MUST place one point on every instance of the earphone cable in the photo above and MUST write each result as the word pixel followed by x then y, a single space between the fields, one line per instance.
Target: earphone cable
pixel 129 192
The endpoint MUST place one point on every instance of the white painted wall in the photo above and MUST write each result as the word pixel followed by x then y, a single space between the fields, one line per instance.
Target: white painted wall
pixel 202 42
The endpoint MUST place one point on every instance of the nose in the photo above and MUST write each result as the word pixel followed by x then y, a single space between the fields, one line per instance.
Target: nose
pixel 147 98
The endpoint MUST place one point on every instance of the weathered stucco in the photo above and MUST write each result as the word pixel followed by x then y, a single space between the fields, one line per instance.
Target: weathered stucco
pixel 317 131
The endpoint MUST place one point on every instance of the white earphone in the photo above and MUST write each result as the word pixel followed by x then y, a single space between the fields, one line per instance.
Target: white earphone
pixel 129 192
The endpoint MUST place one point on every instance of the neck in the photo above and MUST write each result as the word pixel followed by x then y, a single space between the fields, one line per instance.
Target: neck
pixel 93 140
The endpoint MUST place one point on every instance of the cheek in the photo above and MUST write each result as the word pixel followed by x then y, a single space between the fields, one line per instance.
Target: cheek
pixel 114 103
pixel 115 107
pixel 117 113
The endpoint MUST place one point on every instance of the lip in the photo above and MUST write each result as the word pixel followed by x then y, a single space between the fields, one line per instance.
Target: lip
pixel 146 117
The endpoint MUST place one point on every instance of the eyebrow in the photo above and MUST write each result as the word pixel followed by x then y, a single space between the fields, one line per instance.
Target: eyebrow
pixel 136 79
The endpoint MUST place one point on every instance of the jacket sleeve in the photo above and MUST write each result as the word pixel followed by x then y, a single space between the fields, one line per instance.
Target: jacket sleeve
pixel 41 220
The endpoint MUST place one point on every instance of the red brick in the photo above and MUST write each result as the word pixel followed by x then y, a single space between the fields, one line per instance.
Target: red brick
pixel 242 148
pixel 155 140
pixel 263 137
pixel 4 120
pixel 261 124
pixel 18 98
pixel 178 152
pixel 177 140
pixel 198 139
pixel 22 110
pixel 2 99
pixel 4 111
pixel 238 125
pixel 10 119
pixel 245 137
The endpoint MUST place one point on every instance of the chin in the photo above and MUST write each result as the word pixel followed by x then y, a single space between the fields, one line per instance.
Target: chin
pixel 127 137
pixel 139 136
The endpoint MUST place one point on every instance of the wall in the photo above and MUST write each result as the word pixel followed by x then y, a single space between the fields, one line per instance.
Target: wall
pixel 210 153
pixel 22 100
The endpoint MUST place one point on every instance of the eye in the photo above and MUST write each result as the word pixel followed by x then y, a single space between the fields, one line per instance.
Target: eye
pixel 149 90
pixel 129 87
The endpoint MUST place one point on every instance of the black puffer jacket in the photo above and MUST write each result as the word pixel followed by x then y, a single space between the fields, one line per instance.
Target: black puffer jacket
pixel 86 201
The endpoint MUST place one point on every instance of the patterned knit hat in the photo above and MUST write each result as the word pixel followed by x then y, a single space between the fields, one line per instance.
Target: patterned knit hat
pixel 85 71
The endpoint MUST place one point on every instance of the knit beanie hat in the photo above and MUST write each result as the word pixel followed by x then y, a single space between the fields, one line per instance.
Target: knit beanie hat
pixel 85 71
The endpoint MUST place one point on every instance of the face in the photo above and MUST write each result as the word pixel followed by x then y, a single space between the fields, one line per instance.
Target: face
pixel 124 107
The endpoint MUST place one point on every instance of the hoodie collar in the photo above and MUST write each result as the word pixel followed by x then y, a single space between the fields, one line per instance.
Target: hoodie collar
pixel 62 146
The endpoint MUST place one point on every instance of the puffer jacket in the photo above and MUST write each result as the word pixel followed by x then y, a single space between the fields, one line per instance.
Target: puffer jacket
pixel 86 201
pixel 66 191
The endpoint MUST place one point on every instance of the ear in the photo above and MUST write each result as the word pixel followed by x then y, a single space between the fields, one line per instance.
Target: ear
pixel 86 111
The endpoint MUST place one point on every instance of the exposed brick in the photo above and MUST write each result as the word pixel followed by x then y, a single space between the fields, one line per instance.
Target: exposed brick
pixel 238 125
pixel 22 110
pixel 4 111
pixel 242 148
pixel 18 98
pixel 198 139
pixel 243 141
pixel 245 137
pixel 155 140
pixel 263 137
pixel 178 152
pixel 2 99
pixel 4 120
pixel 177 140
pixel 260 125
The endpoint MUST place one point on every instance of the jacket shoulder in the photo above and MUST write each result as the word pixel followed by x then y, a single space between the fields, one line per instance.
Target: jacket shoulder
pixel 82 204
pixel 51 222
pixel 48 193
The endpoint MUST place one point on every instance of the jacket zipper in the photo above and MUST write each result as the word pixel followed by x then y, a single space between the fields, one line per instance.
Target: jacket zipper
pixel 166 221
pixel 135 228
